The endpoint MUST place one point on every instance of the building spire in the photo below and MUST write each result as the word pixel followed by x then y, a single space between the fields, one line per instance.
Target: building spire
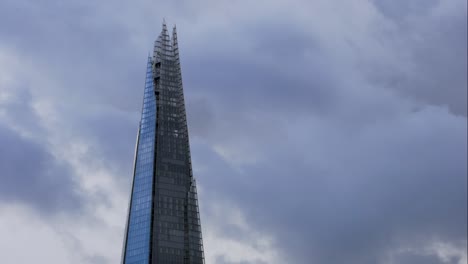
pixel 164 26
pixel 163 123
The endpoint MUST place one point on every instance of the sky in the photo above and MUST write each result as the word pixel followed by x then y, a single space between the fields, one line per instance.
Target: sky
pixel 321 132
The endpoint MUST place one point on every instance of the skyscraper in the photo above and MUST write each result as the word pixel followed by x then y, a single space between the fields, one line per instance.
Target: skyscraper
pixel 163 224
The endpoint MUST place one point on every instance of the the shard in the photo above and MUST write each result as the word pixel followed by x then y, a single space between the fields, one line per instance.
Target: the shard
pixel 163 224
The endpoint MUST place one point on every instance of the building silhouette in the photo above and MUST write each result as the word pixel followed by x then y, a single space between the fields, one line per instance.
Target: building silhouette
pixel 163 224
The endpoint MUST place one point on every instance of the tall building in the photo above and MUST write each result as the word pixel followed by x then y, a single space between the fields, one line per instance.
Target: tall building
pixel 163 224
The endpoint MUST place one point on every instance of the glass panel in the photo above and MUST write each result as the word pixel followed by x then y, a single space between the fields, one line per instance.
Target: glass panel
pixel 139 226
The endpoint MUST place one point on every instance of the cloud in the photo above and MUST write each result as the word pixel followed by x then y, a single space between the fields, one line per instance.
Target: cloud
pixel 356 191
pixel 431 32
pixel 31 175
pixel 321 132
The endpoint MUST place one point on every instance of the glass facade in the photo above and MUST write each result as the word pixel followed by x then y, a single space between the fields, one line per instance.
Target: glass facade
pixel 139 225
pixel 164 221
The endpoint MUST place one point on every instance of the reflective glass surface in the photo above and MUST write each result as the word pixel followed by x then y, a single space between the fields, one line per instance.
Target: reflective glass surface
pixel 139 224
pixel 177 232
pixel 164 221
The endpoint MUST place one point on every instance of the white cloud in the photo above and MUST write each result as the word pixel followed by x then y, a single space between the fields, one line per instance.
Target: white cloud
pixel 73 84
pixel 247 245
pixel 28 239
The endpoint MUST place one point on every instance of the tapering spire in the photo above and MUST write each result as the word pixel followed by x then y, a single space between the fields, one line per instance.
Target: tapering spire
pixel 174 41
pixel 164 26
pixel 174 30
pixel 163 222
pixel 163 43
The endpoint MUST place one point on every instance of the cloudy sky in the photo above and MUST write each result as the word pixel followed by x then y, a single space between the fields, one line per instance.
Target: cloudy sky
pixel 322 132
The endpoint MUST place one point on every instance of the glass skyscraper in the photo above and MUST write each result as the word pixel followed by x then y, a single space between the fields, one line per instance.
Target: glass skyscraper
pixel 163 224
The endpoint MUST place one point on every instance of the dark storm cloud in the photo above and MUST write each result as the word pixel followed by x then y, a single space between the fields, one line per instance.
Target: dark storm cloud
pixel 246 86
pixel 361 208
pixel 351 160
pixel 401 10
pixel 111 135
pixel 333 193
pixel 98 80
pixel 32 176
pixel 437 43
pixel 370 198
pixel 73 46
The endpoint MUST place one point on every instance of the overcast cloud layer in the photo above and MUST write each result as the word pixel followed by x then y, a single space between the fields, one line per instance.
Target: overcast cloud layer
pixel 321 131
